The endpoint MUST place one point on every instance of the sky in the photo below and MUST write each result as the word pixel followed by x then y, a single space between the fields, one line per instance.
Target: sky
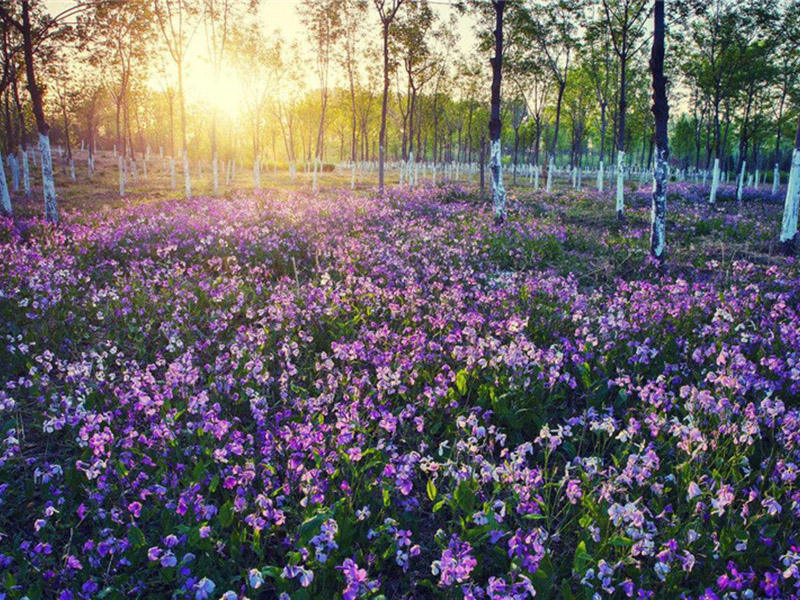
pixel 276 15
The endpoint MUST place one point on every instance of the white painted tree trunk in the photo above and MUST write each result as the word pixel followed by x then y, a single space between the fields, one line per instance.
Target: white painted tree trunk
pixel 72 170
pixel 257 173
pixel 712 198
pixel 187 176
pixel 121 167
pixel 416 173
pixel 580 179
pixel 314 182
pixel 48 182
pixel 498 189
pixel 536 173
pixel 620 183
pixel 14 164
pixel 757 178
pixel 144 165
pixel 550 169
pixel 215 173
pixel 658 209
pixel 5 197
pixel 172 173
pixel 789 224
pixel 134 171
pixel 411 164
pixel 600 177
pixel 776 179
pixel 740 182
pixel 26 173
pixel 403 166
pixel 434 173
pixel 353 176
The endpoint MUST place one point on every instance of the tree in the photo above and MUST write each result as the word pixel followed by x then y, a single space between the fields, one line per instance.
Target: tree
pixel 553 25
pixel 625 20
pixel 322 19
pixel 32 37
pixel 790 208
pixel 387 11
pixel 533 82
pixel 411 36
pixel 177 24
pixel 216 17
pixel 495 124
pixel 352 16
pixel 601 72
pixel 661 114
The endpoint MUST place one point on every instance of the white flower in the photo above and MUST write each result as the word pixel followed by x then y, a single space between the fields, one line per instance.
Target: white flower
pixel 255 578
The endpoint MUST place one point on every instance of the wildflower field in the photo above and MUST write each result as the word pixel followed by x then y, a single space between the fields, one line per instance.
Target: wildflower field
pixel 291 395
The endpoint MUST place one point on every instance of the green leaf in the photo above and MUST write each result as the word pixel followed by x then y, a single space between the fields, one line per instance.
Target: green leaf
pixel 566 591
pixel 621 541
pixel 461 382
pixel 464 496
pixel 136 537
pixel 431 489
pixel 226 514
pixel 582 559
pixel 310 527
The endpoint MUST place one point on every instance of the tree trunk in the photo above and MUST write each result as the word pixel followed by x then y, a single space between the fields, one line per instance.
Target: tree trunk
pixel 623 104
pixel 48 182
pixel 789 225
pixel 187 178
pixel 554 148
pixel 384 105
pixel 496 165
pixel 658 216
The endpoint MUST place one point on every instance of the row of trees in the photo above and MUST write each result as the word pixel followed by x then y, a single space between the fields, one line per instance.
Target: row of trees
pixel 371 79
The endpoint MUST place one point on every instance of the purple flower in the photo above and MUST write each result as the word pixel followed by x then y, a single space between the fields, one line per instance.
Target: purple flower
pixel 455 564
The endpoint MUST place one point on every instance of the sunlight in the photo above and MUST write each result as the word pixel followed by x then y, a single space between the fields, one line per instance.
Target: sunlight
pixel 224 93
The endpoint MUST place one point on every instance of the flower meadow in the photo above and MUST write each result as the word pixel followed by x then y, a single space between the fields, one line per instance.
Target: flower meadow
pixel 295 395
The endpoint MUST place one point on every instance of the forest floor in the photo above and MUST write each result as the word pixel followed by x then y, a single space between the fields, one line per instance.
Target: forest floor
pixel 334 394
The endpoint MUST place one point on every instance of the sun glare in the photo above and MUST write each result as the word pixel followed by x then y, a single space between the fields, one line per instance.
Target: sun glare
pixel 224 92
